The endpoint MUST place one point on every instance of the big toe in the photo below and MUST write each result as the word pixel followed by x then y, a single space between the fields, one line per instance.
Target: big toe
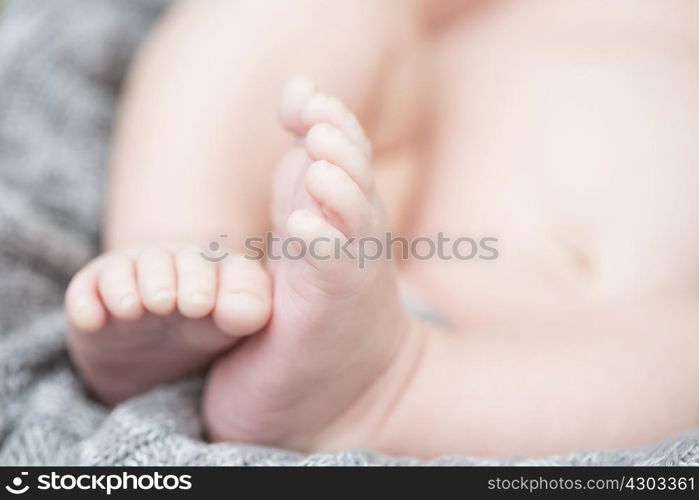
pixel 297 91
pixel 244 300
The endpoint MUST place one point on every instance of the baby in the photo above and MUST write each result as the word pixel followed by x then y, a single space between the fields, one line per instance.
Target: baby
pixel 566 132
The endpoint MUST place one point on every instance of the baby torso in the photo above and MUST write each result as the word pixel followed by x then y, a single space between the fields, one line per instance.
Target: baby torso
pixel 577 153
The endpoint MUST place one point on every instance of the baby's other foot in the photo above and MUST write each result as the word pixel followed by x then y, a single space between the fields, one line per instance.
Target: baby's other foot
pixel 339 346
pixel 143 316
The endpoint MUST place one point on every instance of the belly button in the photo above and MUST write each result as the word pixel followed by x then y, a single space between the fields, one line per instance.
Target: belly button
pixel 574 259
pixel 580 260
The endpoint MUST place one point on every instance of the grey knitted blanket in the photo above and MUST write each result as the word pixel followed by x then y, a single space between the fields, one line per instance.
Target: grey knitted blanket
pixel 61 64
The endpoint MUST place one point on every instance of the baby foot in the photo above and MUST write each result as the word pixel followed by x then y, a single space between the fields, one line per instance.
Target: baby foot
pixel 339 346
pixel 141 317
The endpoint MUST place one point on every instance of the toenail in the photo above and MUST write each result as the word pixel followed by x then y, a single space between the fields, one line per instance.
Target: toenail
pixel 128 301
pixel 302 216
pixel 336 103
pixel 201 298
pixel 82 309
pixel 322 166
pixel 299 81
pixel 324 128
pixel 163 295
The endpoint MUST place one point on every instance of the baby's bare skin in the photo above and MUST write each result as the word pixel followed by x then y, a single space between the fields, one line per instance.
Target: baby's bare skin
pixel 572 144
pixel 582 333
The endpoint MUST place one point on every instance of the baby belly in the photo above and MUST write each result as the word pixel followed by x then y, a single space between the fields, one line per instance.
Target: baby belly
pixel 511 245
pixel 590 186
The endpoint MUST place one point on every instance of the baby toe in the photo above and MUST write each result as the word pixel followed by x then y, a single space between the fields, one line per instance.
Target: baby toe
pixel 327 142
pixel 196 283
pixel 324 247
pixel 297 91
pixel 329 109
pixel 84 307
pixel 118 288
pixel 156 279
pixel 243 305
pixel 340 198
